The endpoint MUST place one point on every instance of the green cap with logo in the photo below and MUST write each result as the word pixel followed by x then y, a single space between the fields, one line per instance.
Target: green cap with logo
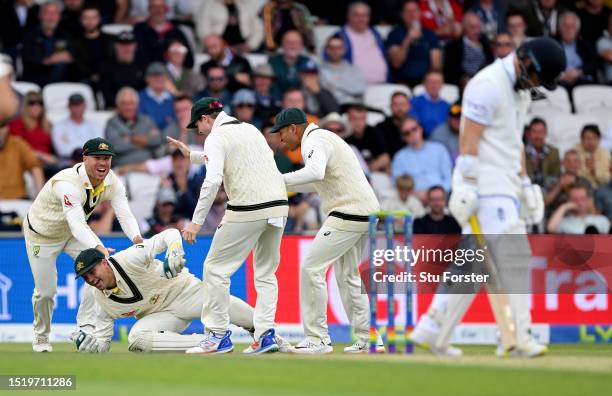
pixel 204 106
pixel 289 116
pixel 98 146
pixel 86 260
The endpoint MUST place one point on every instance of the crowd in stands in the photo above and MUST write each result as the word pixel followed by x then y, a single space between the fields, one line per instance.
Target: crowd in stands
pixel 130 70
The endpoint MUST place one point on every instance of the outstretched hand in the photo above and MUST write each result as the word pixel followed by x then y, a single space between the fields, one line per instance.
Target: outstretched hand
pixel 179 145
pixel 190 231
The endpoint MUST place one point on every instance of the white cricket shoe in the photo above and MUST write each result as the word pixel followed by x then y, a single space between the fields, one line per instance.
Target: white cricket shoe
pixel 448 352
pixel 364 346
pixel 41 344
pixel 284 346
pixel 308 347
pixel 423 338
pixel 529 350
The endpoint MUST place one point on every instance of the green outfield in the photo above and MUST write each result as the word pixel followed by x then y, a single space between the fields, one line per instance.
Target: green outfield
pixel 568 370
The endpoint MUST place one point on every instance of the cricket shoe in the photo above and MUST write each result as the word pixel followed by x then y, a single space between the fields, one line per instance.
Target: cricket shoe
pixel 307 347
pixel 41 344
pixel 423 337
pixel 448 352
pixel 529 350
pixel 266 343
pixel 213 343
pixel 284 346
pixel 364 346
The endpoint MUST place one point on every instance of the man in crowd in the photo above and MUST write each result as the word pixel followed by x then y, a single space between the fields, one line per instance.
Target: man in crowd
pixel 369 140
pixel 319 101
pixel 155 100
pixel 436 221
pixel 448 133
pixel 390 127
pixel 578 215
pixel 287 64
pixel 429 108
pixel 343 79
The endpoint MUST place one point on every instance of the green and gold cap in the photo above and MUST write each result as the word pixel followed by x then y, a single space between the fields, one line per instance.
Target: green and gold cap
pixel 86 260
pixel 98 146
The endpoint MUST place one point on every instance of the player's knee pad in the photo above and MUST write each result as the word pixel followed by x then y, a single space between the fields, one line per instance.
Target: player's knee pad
pixel 140 341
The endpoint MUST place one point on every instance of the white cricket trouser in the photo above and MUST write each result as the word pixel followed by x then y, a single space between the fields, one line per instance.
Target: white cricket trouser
pixel 344 249
pixel 497 215
pixel 161 331
pixel 230 247
pixel 43 258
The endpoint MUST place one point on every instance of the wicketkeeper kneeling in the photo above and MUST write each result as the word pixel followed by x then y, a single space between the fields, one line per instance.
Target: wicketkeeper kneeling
pixel 163 296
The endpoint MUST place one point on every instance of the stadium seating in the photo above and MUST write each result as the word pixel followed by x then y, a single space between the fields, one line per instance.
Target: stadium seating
pixel 23 87
pixel 256 59
pixel 557 99
pixel 379 96
pixel 198 60
pixel 20 206
pixel 375 118
pixel 592 98
pixel 56 96
pixel 449 92
pixel 142 191
pixel 321 34
pixel 564 129
pixel 100 118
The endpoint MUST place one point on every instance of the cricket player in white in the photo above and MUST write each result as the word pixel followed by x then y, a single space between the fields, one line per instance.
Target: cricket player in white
pixel 237 155
pixel 490 181
pixel 164 296
pixel 57 222
pixel 332 170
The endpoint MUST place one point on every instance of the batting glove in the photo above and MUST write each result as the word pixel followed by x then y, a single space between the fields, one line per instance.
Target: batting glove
pixel 532 202
pixel 463 201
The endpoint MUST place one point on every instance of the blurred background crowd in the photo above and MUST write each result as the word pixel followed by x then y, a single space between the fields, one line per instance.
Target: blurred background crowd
pixel 386 75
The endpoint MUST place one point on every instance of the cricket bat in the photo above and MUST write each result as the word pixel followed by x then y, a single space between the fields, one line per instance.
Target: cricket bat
pixel 497 297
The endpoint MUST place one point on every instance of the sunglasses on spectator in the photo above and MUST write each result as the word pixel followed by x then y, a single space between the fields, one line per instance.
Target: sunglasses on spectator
pixel 216 78
pixel 407 132
pixel 35 102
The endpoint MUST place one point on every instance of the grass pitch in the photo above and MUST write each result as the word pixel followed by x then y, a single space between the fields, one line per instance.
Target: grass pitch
pixel 567 370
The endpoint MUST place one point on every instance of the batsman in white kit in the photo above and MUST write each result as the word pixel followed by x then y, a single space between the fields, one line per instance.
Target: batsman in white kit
pixel 162 295
pixel 332 170
pixel 57 222
pixel 490 183
pixel 237 155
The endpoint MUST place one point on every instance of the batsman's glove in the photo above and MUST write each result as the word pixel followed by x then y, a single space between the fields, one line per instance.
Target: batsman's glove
pixel 464 199
pixel 532 202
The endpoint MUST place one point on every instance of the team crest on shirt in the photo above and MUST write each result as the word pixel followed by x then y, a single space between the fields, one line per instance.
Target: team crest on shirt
pixel 36 250
pixel 67 201
pixel 153 300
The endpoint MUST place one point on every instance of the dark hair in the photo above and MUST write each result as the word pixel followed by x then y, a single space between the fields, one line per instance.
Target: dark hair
pixel 516 13
pixel 590 128
pixel 399 93
pixel 182 96
pixel 537 120
pixel 434 188
pixel 334 37
pixel 215 66
pixel 290 90
pixel 177 154
pixel 577 186
pixel 90 6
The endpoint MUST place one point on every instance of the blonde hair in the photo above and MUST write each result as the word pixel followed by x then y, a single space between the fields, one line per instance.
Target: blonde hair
pixel 29 122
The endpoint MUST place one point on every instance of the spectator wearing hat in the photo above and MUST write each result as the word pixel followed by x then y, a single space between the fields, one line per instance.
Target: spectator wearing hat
pixel 268 99
pixel 165 214
pixel 287 63
pixel 154 35
pixel 216 86
pixel 16 158
pixel 46 50
pixel 335 123
pixel 427 162
pixel 411 48
pixel 92 48
pixel 448 133
pixel 134 136
pixel 364 45
pixel 122 70
pixel 184 79
pixel 541 159
pixel 71 133
pixel 368 139
pixel 594 158
pixel 343 79
pixel 390 127
pixel 319 101
pixel 243 106
pixel 237 21
pixel 237 67
pixel 156 100
pixel 429 108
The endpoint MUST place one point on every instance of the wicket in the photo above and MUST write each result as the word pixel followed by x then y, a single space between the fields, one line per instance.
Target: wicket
pixel 389 232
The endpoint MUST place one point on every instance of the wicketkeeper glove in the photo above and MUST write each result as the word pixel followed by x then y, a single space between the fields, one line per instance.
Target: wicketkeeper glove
pixel 174 262
pixel 532 202
pixel 88 343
